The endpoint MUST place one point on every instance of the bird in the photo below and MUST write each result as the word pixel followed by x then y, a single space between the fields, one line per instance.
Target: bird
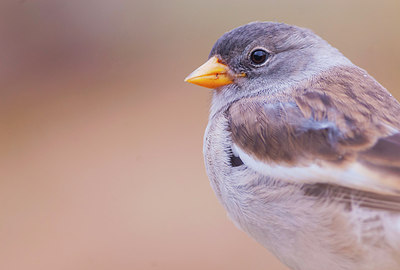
pixel 302 148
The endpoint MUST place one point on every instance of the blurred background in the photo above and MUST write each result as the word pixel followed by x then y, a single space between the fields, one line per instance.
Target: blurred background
pixel 101 162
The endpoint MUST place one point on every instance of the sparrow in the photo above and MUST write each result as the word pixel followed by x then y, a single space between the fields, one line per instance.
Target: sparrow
pixel 302 149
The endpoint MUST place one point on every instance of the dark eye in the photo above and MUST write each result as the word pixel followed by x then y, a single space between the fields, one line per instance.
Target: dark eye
pixel 259 56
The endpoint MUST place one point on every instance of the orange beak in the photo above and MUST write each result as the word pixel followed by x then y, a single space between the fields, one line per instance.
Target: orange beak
pixel 212 74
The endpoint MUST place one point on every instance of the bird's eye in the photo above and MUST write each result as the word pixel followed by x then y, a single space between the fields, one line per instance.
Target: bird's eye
pixel 259 56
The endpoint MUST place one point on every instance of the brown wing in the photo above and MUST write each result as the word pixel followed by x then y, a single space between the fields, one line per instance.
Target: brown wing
pixel 340 119
pixel 279 133
pixel 386 152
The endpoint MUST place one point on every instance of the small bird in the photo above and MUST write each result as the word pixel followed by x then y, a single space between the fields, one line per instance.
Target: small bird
pixel 302 148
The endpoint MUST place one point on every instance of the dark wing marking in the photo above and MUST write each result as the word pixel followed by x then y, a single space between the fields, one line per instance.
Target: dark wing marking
pixel 385 152
pixel 279 133
pixel 352 197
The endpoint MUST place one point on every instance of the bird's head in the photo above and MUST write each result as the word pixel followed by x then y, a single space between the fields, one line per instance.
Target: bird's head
pixel 263 57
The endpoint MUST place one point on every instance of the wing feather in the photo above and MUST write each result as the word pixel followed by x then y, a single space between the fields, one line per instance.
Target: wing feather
pixel 341 128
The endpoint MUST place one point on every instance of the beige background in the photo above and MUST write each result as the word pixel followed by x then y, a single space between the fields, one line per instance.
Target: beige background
pixel 101 140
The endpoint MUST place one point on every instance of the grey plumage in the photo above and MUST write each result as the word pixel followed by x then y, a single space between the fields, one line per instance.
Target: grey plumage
pixel 304 150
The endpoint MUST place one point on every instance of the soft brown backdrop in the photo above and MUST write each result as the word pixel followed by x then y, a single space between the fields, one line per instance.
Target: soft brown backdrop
pixel 101 140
